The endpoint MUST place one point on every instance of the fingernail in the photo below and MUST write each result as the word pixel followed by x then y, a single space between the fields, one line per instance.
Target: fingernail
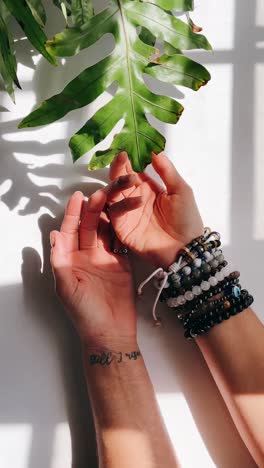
pixel 52 239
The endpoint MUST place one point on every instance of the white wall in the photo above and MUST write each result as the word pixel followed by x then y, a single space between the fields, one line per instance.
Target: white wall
pixel 45 420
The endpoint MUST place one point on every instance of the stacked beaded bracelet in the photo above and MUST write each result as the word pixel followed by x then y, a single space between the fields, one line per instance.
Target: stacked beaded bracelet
pixel 200 287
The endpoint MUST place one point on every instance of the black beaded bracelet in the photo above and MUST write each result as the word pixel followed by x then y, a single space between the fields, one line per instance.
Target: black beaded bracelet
pixel 227 287
pixel 199 286
pixel 232 279
pixel 225 302
pixel 211 307
pixel 195 327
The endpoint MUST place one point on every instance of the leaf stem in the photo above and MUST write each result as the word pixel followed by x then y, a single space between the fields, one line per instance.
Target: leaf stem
pixel 131 91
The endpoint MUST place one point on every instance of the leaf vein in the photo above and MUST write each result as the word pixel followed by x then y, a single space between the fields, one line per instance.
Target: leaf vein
pixel 154 103
pixel 181 73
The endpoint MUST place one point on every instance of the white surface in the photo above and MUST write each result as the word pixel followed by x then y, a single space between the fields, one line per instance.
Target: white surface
pixel 218 146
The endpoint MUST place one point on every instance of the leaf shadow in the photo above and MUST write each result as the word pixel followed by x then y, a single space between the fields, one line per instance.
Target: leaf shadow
pixel 44 308
pixel 38 286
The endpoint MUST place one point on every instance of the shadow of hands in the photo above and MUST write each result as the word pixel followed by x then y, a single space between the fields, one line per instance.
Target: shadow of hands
pixel 43 306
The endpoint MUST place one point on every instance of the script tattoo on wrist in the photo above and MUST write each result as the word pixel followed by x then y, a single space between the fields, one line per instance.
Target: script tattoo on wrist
pixel 107 357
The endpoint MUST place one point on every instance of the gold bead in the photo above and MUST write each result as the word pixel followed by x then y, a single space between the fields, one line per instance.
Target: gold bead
pixel 227 305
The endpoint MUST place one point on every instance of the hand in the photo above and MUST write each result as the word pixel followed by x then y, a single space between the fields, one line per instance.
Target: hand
pixel 95 285
pixel 165 220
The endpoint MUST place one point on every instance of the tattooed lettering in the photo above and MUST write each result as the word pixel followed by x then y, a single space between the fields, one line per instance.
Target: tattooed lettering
pixel 120 357
pixel 134 355
pixel 106 358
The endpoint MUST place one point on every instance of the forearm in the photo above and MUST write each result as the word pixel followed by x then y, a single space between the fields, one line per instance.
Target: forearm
pixel 234 352
pixel 129 428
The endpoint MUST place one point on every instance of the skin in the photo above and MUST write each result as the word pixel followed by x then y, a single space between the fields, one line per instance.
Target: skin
pixel 89 277
pixel 97 290
pixel 167 219
pixel 234 353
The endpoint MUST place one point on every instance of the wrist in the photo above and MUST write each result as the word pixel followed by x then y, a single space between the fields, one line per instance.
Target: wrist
pixel 107 325
pixel 114 378
pixel 171 253
pixel 108 343
pixel 168 256
pixel 108 365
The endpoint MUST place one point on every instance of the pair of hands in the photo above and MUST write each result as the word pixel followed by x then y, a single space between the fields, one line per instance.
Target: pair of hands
pixel 96 285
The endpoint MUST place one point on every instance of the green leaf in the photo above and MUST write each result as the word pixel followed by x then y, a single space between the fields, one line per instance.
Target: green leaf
pixel 4 12
pixel 21 11
pixel 170 50
pixel 71 41
pixel 37 11
pixel 64 12
pixel 8 60
pixel 165 26
pixel 8 81
pixel 133 101
pixel 147 37
pixel 179 70
pixel 82 11
pixel 173 5
pixel 64 7
pixel 78 93
pixel 99 126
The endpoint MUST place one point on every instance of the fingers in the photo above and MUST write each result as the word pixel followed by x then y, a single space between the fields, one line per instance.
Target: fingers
pixel 70 223
pixel 120 166
pixel 123 206
pixel 116 189
pixel 90 221
pixel 167 172
pixel 71 220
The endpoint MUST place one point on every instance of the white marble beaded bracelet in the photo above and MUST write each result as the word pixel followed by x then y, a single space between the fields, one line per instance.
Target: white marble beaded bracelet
pixel 209 259
pixel 214 259
pixel 161 276
pixel 198 290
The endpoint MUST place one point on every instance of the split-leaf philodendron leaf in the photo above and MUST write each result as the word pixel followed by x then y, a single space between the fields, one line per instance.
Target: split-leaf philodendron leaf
pixel 135 26
pixel 22 12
